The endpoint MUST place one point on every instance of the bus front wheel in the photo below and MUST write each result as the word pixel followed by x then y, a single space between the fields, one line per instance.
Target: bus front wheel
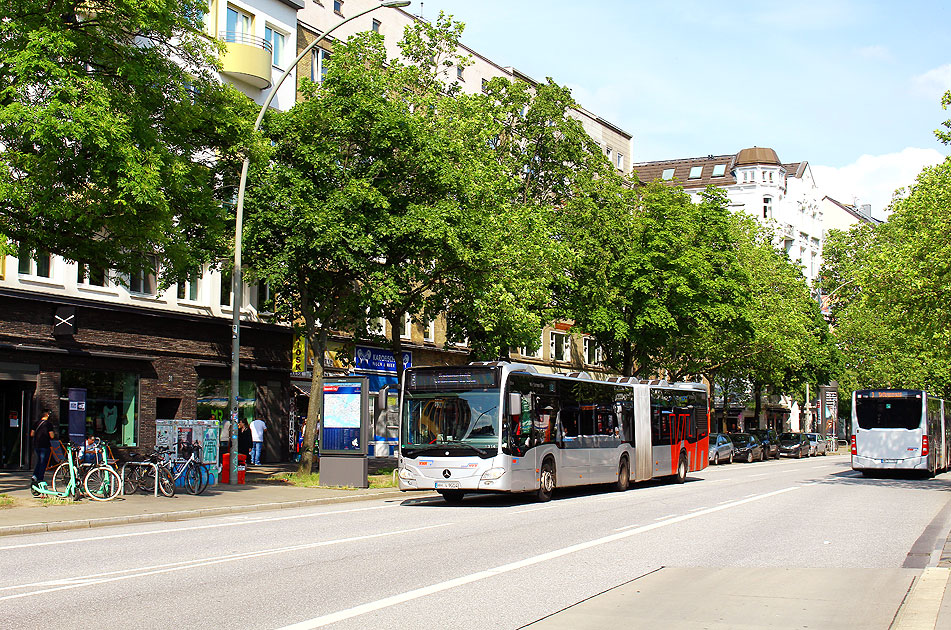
pixel 546 481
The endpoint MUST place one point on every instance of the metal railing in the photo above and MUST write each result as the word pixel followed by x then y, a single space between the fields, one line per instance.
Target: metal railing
pixel 235 37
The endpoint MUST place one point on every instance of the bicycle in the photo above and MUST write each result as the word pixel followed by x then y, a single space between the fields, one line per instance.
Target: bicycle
pixel 192 471
pixel 70 489
pixel 143 477
pixel 100 481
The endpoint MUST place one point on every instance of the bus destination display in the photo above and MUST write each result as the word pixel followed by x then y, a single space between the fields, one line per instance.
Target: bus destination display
pixel 453 379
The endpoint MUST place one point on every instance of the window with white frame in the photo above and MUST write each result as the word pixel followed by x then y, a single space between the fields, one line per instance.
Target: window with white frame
pixel 237 24
pixel 609 153
pixel 406 330
pixel 668 174
pixel 588 350
pixel 188 288
pixel 695 172
pixel 560 346
pixel 429 331
pixel 276 38
pixel 142 280
pixel 719 170
pixel 91 275
pixel 620 161
pixel 225 292
pixel 767 207
pixel 34 263
pixel 318 67
pixel 376 326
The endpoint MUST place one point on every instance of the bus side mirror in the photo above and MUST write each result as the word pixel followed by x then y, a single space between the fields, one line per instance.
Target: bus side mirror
pixel 514 404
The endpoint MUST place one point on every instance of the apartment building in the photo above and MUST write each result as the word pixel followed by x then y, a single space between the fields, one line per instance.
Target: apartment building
pixel 139 352
pixel 780 195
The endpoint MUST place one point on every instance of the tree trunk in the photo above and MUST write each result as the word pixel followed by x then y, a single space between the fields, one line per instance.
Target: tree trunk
pixel 318 343
pixel 758 400
pixel 628 360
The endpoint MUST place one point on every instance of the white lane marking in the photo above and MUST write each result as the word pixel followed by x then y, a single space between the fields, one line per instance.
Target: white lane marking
pixel 128 574
pixel 725 502
pixel 662 518
pixel 319 622
pixel 621 529
pixel 759 475
pixel 535 509
pixel 154 532
pixel 719 480
pixel 697 509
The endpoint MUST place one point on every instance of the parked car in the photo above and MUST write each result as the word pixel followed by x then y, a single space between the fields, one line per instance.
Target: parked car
pixel 721 448
pixel 794 445
pixel 770 440
pixel 818 443
pixel 747 447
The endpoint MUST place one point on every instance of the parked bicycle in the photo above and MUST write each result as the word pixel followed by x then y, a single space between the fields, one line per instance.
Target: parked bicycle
pixel 100 480
pixel 191 472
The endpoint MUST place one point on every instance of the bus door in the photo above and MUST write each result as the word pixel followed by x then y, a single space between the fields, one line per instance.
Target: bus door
pixel 519 424
pixel 575 465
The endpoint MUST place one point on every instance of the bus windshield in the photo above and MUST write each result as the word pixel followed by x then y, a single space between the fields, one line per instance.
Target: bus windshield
pixel 464 422
pixel 888 413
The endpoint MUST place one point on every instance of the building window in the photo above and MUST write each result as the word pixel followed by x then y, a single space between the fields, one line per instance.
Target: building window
pixel 112 404
pixel 318 66
pixel 142 280
pixel 767 207
pixel 485 85
pixel 277 45
pixel 32 263
pixel 376 326
pixel 429 331
pixel 91 275
pixel 668 174
pixel 188 288
pixel 560 348
pixel 525 351
pixel 608 152
pixel 459 70
pixel 375 26
pixel 719 170
pixel 406 330
pixel 225 290
pixel 338 7
pixel 589 350
pixel 620 161
pixel 213 396
pixel 771 176
pixel 695 172
pixel 237 23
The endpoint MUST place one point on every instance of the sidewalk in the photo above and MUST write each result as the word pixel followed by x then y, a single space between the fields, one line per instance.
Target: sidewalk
pixel 260 492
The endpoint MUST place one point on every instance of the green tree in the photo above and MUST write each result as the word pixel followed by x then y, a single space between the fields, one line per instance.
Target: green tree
pixel 118 141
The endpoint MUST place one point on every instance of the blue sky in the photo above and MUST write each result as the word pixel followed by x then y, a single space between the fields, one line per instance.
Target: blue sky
pixel 851 87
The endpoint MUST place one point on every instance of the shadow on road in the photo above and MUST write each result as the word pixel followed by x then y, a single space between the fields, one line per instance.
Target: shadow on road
pixel 911 480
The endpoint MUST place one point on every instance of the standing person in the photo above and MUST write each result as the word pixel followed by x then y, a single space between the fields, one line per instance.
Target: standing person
pixel 257 440
pixel 244 438
pixel 42 436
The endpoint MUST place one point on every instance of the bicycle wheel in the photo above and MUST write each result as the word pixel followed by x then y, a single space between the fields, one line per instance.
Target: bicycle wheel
pixel 102 483
pixel 166 482
pixel 61 477
pixel 133 479
pixel 192 476
pixel 204 476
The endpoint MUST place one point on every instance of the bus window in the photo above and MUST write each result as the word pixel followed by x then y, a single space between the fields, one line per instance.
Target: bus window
pixel 586 420
pixel 569 422
pixel 888 413
pixel 544 422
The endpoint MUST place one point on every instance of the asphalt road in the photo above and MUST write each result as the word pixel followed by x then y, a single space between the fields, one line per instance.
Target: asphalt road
pixel 491 562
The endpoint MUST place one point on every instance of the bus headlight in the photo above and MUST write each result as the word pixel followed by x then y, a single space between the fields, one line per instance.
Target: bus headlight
pixel 492 474
pixel 407 475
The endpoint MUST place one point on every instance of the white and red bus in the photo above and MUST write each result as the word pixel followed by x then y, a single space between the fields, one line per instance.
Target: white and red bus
pixel 900 429
pixel 504 427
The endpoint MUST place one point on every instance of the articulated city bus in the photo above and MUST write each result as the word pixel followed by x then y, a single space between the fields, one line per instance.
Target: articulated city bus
pixel 503 427
pixel 900 429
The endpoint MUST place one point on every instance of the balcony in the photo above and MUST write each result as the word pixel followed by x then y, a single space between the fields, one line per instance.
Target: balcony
pixel 247 58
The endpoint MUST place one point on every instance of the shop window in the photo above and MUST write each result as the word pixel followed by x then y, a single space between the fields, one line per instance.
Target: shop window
pixel 213 396
pixel 112 404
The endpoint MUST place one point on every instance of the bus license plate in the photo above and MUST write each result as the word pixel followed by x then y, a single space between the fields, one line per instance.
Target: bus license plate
pixel 447 485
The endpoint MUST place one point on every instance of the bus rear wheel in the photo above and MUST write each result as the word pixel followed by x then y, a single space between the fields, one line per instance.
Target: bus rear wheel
pixel 681 475
pixel 623 476
pixel 546 481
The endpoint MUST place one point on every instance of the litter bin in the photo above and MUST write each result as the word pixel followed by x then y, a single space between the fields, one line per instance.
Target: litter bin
pixel 226 467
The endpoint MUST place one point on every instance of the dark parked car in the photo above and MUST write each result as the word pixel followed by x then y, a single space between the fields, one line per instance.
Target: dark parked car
pixel 747 447
pixel 770 440
pixel 721 448
pixel 794 445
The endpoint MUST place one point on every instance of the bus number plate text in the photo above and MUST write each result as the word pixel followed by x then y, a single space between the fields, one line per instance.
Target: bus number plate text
pixel 447 485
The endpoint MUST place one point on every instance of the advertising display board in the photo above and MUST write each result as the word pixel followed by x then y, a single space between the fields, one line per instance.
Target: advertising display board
pixel 344 420
pixel 77 415
pixel 180 436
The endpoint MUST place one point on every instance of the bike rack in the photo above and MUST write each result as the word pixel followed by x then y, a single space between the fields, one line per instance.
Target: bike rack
pixel 152 464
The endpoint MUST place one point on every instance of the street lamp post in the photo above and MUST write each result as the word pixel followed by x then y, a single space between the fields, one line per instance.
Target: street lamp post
pixel 239 219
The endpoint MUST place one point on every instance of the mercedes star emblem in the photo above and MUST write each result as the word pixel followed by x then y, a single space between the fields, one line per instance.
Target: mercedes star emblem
pixel 446 474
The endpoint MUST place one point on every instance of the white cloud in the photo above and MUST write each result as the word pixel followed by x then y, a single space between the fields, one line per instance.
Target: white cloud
pixel 934 82
pixel 873 178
